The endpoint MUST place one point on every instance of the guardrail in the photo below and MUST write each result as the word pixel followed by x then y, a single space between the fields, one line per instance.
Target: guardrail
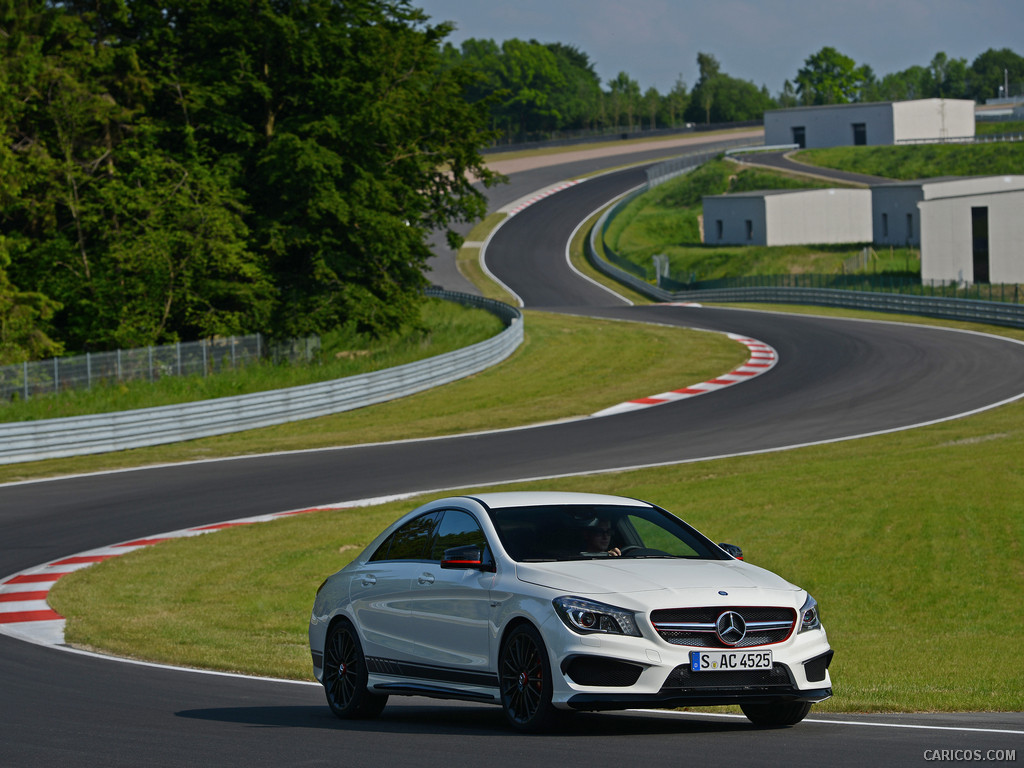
pixel 969 310
pixel 101 433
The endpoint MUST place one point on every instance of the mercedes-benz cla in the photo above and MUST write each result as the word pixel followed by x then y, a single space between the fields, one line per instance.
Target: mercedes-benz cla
pixel 548 602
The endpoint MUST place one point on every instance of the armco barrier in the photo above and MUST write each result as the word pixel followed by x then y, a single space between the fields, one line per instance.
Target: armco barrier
pixel 968 310
pixel 56 438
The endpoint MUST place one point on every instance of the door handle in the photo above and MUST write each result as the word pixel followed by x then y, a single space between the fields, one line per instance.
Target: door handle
pixel 426 578
pixel 369 581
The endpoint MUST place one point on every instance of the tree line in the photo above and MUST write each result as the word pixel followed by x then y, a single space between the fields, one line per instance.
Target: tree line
pixel 534 90
pixel 178 169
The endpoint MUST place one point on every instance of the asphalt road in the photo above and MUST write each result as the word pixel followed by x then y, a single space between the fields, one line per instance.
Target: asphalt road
pixel 835 379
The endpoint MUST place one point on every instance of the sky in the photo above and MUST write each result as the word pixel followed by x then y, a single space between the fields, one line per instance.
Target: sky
pixel 765 41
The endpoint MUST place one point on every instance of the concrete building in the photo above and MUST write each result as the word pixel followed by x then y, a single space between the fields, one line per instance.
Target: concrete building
pixel 876 123
pixel 972 230
pixel 788 217
pixel 895 214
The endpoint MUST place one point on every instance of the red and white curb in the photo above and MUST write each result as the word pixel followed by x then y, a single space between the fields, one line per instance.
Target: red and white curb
pixel 762 359
pixel 518 205
pixel 24 611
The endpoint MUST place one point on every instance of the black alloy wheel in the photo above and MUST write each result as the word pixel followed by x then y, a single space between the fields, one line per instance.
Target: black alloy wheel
pixel 345 675
pixel 776 715
pixel 526 685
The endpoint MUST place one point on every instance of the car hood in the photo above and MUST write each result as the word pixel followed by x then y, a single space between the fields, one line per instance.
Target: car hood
pixel 625 575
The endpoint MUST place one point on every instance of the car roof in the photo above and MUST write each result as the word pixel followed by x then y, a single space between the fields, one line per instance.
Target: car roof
pixel 543 498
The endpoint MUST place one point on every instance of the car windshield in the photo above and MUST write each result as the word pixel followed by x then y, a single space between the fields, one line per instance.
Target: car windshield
pixel 560 532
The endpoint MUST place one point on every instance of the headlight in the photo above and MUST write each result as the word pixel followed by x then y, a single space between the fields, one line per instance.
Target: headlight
pixel 589 617
pixel 809 618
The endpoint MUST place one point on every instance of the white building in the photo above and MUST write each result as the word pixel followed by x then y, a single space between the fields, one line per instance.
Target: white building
pixel 895 214
pixel 788 217
pixel 972 230
pixel 886 122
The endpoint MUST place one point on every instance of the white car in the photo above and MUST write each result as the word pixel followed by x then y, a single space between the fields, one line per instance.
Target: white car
pixel 543 602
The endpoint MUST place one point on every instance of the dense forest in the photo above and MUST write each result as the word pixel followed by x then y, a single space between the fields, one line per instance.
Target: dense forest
pixel 188 168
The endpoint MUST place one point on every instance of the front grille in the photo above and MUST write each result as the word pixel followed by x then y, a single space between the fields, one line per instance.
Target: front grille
pixel 683 678
pixel 695 627
pixel 594 670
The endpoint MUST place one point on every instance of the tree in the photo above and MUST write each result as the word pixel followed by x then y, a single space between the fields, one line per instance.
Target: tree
pixel 624 98
pixel 652 103
pixel 948 77
pixel 990 71
pixel 829 77
pixel 676 101
pixel 341 130
pixel 719 98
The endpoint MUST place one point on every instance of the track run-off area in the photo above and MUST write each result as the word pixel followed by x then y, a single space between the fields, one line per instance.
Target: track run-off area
pixel 831 379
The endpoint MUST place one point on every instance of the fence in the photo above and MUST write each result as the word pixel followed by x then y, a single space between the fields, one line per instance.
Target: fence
pixel 55 438
pixel 192 358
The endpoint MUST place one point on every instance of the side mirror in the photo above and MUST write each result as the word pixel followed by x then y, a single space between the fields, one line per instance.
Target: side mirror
pixel 466 557
pixel 733 550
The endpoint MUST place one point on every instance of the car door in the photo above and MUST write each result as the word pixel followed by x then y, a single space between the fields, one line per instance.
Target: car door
pixel 380 590
pixel 449 613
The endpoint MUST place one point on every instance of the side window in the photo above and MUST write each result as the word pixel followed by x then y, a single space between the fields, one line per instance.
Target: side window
pixel 409 542
pixel 457 529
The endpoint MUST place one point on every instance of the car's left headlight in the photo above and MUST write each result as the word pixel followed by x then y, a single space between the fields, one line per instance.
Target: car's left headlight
pixel 809 616
pixel 589 617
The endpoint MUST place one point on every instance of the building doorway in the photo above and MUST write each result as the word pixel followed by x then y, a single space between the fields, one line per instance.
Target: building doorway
pixel 979 238
pixel 800 136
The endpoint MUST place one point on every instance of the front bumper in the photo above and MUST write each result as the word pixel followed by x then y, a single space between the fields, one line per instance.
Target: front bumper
pixel 683 688
pixel 615 672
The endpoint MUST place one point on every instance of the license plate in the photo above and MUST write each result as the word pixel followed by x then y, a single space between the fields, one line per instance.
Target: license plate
pixel 729 661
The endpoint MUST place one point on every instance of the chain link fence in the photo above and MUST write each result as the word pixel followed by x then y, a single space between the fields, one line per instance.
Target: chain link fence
pixel 194 358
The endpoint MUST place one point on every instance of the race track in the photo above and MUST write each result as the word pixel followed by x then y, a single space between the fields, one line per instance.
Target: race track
pixel 835 379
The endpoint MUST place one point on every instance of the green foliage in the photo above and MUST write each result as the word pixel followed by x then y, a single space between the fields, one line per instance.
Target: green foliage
pixel 922 161
pixel 719 98
pixel 829 77
pixel 198 168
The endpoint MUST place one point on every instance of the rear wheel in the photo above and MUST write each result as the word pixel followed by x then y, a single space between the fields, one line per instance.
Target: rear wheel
pixel 776 715
pixel 526 681
pixel 345 675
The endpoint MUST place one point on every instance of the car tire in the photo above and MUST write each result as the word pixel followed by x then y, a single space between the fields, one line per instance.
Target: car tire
pixel 345 675
pixel 525 679
pixel 777 715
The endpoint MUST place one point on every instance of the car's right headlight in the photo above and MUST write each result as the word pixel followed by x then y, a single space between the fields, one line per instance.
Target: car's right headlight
pixel 809 616
pixel 589 617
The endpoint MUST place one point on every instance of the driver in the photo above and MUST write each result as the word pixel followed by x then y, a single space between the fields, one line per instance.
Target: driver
pixel 598 536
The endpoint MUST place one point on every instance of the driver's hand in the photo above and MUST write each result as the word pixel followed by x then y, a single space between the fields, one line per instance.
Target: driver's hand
pixel 614 552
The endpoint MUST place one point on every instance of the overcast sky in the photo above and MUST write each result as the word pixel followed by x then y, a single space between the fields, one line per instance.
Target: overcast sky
pixel 765 41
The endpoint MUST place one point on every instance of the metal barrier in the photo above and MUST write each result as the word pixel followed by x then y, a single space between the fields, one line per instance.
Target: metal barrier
pixel 969 310
pixel 100 433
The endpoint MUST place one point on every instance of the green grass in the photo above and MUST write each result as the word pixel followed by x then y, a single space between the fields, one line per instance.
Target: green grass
pixel 444 327
pixel 560 370
pixel 996 127
pixel 918 572
pixel 921 161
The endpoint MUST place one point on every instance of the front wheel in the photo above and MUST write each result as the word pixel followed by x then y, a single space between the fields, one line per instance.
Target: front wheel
pixel 526 681
pixel 777 715
pixel 345 675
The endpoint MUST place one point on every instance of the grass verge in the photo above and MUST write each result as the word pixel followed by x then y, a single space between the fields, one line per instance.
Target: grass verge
pixel 557 354
pixel 921 161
